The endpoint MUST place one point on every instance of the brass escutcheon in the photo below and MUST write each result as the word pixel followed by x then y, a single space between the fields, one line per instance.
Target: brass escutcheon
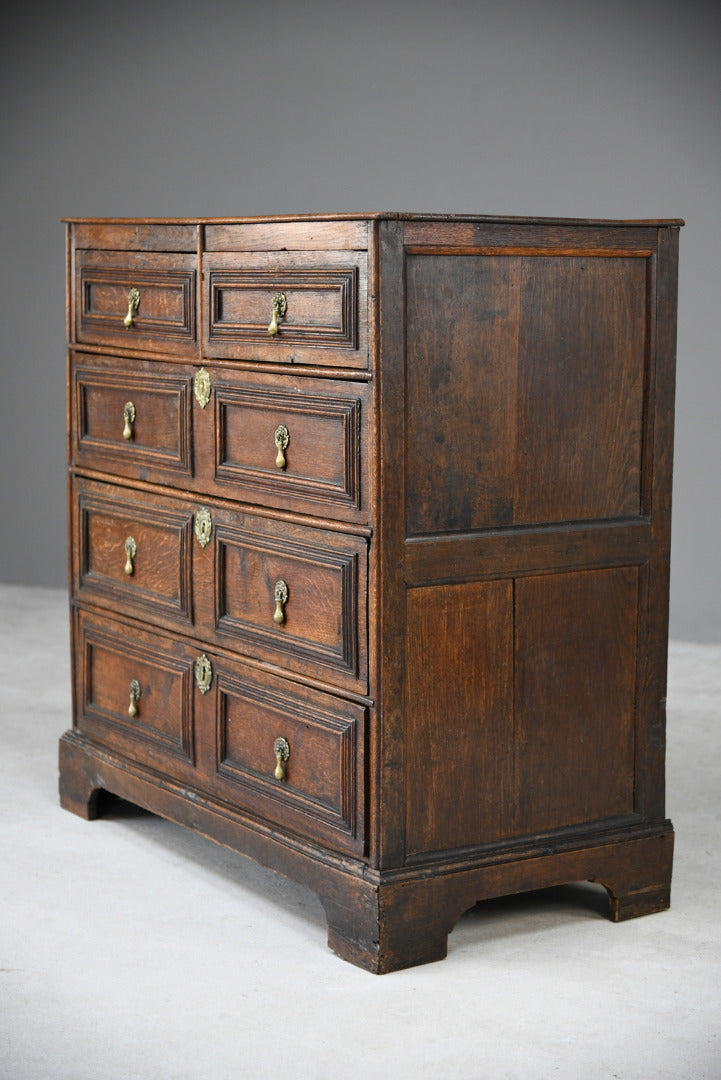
pixel 203 673
pixel 280 594
pixel 202 387
pixel 128 419
pixel 203 526
pixel 133 305
pixel 279 307
pixel 134 697
pixel 131 550
pixel 281 749
pixel 282 438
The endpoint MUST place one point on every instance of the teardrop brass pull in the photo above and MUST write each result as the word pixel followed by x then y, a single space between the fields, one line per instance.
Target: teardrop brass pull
pixel 282 438
pixel 280 595
pixel 131 549
pixel 134 697
pixel 281 749
pixel 129 419
pixel 133 304
pixel 280 306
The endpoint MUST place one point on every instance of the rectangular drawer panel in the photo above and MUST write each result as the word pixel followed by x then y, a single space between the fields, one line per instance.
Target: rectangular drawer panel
pixel 323 319
pixel 321 791
pixel 134 692
pixel 132 554
pixel 163 318
pixel 293 595
pixel 290 448
pixel 129 419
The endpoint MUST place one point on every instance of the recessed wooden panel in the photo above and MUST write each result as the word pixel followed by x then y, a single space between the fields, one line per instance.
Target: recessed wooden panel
pixel 110 660
pixel 160 432
pixel 326 318
pixel 323 784
pixel 525 382
pixel 160 584
pixel 165 316
pixel 459 714
pixel 325 574
pixel 321 306
pixel 581 388
pixel 322 461
pixel 461 378
pixel 575 697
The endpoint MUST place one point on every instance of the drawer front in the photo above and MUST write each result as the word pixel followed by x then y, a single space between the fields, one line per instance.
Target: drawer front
pixel 293 443
pixel 291 754
pixel 133 553
pixel 131 419
pixel 308 308
pixel 134 693
pixel 293 595
pixel 136 300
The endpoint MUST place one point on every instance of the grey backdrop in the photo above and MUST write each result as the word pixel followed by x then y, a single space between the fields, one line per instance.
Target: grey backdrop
pixel 610 109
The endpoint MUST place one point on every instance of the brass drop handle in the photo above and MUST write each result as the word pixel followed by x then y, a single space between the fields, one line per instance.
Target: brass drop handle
pixel 128 419
pixel 134 697
pixel 281 749
pixel 282 438
pixel 133 304
pixel 279 307
pixel 280 594
pixel 131 550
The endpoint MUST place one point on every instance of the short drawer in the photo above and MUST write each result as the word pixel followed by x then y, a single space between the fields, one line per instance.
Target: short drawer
pixel 294 443
pixel 136 300
pixel 133 553
pixel 130 418
pixel 288 307
pixel 291 754
pixel 293 595
pixel 134 692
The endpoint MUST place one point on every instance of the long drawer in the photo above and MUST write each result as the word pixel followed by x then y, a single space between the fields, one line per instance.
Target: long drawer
pixel 297 443
pixel 277 751
pixel 265 586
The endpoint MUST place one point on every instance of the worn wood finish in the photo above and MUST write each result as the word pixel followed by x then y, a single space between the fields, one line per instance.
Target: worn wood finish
pixel 164 319
pixel 226 447
pixel 472 519
pixel 326 318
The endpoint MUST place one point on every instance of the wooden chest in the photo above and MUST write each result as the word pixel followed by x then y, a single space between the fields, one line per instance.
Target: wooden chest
pixel 369 523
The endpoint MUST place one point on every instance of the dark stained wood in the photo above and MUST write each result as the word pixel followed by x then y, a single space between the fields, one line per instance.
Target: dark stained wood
pixel 575 691
pixel 160 437
pixel 226 448
pixel 551 353
pixel 135 236
pixel 326 321
pixel 321 462
pixel 473 522
pixel 582 347
pixel 459 714
pixel 164 319
pixel 323 791
pixel 107 660
pixel 324 627
pixel 311 235
pixel 461 351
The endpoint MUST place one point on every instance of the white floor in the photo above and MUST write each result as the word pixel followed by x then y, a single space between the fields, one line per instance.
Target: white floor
pixel 133 950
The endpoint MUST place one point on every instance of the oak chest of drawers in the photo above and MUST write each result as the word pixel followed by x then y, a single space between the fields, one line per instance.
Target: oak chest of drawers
pixel 369 523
